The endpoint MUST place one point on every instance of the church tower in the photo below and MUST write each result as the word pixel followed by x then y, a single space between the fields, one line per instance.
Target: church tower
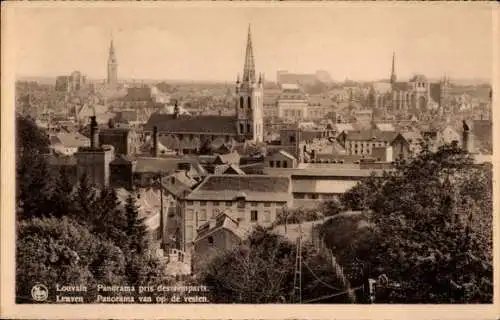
pixel 393 70
pixel 249 105
pixel 112 66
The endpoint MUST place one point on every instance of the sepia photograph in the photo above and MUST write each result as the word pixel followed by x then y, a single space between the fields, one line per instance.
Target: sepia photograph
pixel 258 154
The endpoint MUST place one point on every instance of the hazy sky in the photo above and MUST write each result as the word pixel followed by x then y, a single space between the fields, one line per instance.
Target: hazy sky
pixel 207 42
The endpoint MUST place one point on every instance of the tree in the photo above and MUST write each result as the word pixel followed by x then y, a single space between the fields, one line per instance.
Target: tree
pixel 262 269
pixel 135 229
pixel 85 201
pixel 111 222
pixel 60 251
pixel 62 195
pixel 34 183
pixel 432 231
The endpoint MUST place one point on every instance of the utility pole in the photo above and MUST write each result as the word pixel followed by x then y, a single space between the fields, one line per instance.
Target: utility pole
pixel 162 218
pixel 297 280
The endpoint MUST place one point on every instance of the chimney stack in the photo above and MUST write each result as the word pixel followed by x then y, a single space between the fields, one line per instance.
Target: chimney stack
pixel 94 133
pixel 155 142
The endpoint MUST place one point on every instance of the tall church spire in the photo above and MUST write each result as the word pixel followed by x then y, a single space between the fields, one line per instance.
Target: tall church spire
pixel 393 70
pixel 112 65
pixel 249 68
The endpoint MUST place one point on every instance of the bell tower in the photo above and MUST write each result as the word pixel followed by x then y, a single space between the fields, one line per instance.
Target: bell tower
pixel 112 66
pixel 249 104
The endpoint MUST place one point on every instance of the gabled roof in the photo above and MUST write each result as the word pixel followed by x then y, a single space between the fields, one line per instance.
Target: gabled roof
pixel 192 124
pixel 228 158
pixel 384 127
pixel 255 187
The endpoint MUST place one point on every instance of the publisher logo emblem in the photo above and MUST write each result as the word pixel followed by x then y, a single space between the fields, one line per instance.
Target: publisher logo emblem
pixel 39 292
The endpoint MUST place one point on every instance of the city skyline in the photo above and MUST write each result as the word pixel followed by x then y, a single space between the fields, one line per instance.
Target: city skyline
pixel 191 43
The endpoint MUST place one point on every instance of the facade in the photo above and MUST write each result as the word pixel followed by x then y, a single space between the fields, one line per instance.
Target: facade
pixel 292 103
pixel 247 199
pixel 124 140
pixel 280 159
pixel 362 142
pixel 406 145
pixel 314 183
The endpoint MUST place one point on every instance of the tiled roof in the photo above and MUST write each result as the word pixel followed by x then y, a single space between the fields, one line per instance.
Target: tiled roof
pixel 372 135
pixel 190 124
pixel 229 158
pixel 70 139
pixel 255 188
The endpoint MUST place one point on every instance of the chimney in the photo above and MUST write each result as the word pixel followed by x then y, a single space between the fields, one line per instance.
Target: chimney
pixel 176 110
pixel 155 142
pixel 94 133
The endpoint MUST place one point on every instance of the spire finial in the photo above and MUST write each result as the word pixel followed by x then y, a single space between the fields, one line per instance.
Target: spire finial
pixel 249 68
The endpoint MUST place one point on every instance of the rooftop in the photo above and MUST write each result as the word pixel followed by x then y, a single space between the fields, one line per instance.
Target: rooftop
pixel 192 124
pixel 255 187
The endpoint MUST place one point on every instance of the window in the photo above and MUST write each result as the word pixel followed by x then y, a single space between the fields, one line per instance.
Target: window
pixel 314 196
pixel 189 203
pixel 210 240
pixel 298 195
pixel 271 164
pixel 249 128
pixel 215 203
pixel 202 216
pixel 285 164
pixel 267 216
pixel 254 215
pixel 241 102
pixel 267 204
pixel 189 214
pixel 229 203
pixel 241 204
pixel 241 215
pixel 189 233
pixel 242 128
pixel 203 203
pixel 249 102
pixel 278 164
pixel 254 204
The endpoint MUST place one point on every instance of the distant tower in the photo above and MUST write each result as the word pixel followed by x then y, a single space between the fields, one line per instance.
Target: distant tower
pixel 393 70
pixel 467 138
pixel 249 106
pixel 112 66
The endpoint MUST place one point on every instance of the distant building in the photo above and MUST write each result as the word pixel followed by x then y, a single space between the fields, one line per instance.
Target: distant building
pixel 74 82
pixel 362 142
pixel 292 103
pixel 414 96
pixel 67 143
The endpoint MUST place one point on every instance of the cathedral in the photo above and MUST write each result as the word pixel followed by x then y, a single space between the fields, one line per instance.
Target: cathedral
pixel 184 133
pixel 409 97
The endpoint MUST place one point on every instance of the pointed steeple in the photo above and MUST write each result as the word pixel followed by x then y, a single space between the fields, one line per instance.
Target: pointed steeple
pixel 112 55
pixel 249 68
pixel 393 70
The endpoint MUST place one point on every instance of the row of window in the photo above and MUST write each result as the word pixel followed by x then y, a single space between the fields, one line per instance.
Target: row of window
pixel 240 204
pixel 315 196
pixel 365 144
pixel 202 216
pixel 278 163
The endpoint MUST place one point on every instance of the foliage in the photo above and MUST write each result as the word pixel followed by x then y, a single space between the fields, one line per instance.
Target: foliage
pixel 59 251
pixel 261 270
pixel 293 216
pixel 432 231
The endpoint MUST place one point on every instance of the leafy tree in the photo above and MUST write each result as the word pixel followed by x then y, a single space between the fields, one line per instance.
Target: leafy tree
pixel 60 251
pixel 34 184
pixel 110 221
pixel 432 232
pixel 262 269
pixel 62 195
